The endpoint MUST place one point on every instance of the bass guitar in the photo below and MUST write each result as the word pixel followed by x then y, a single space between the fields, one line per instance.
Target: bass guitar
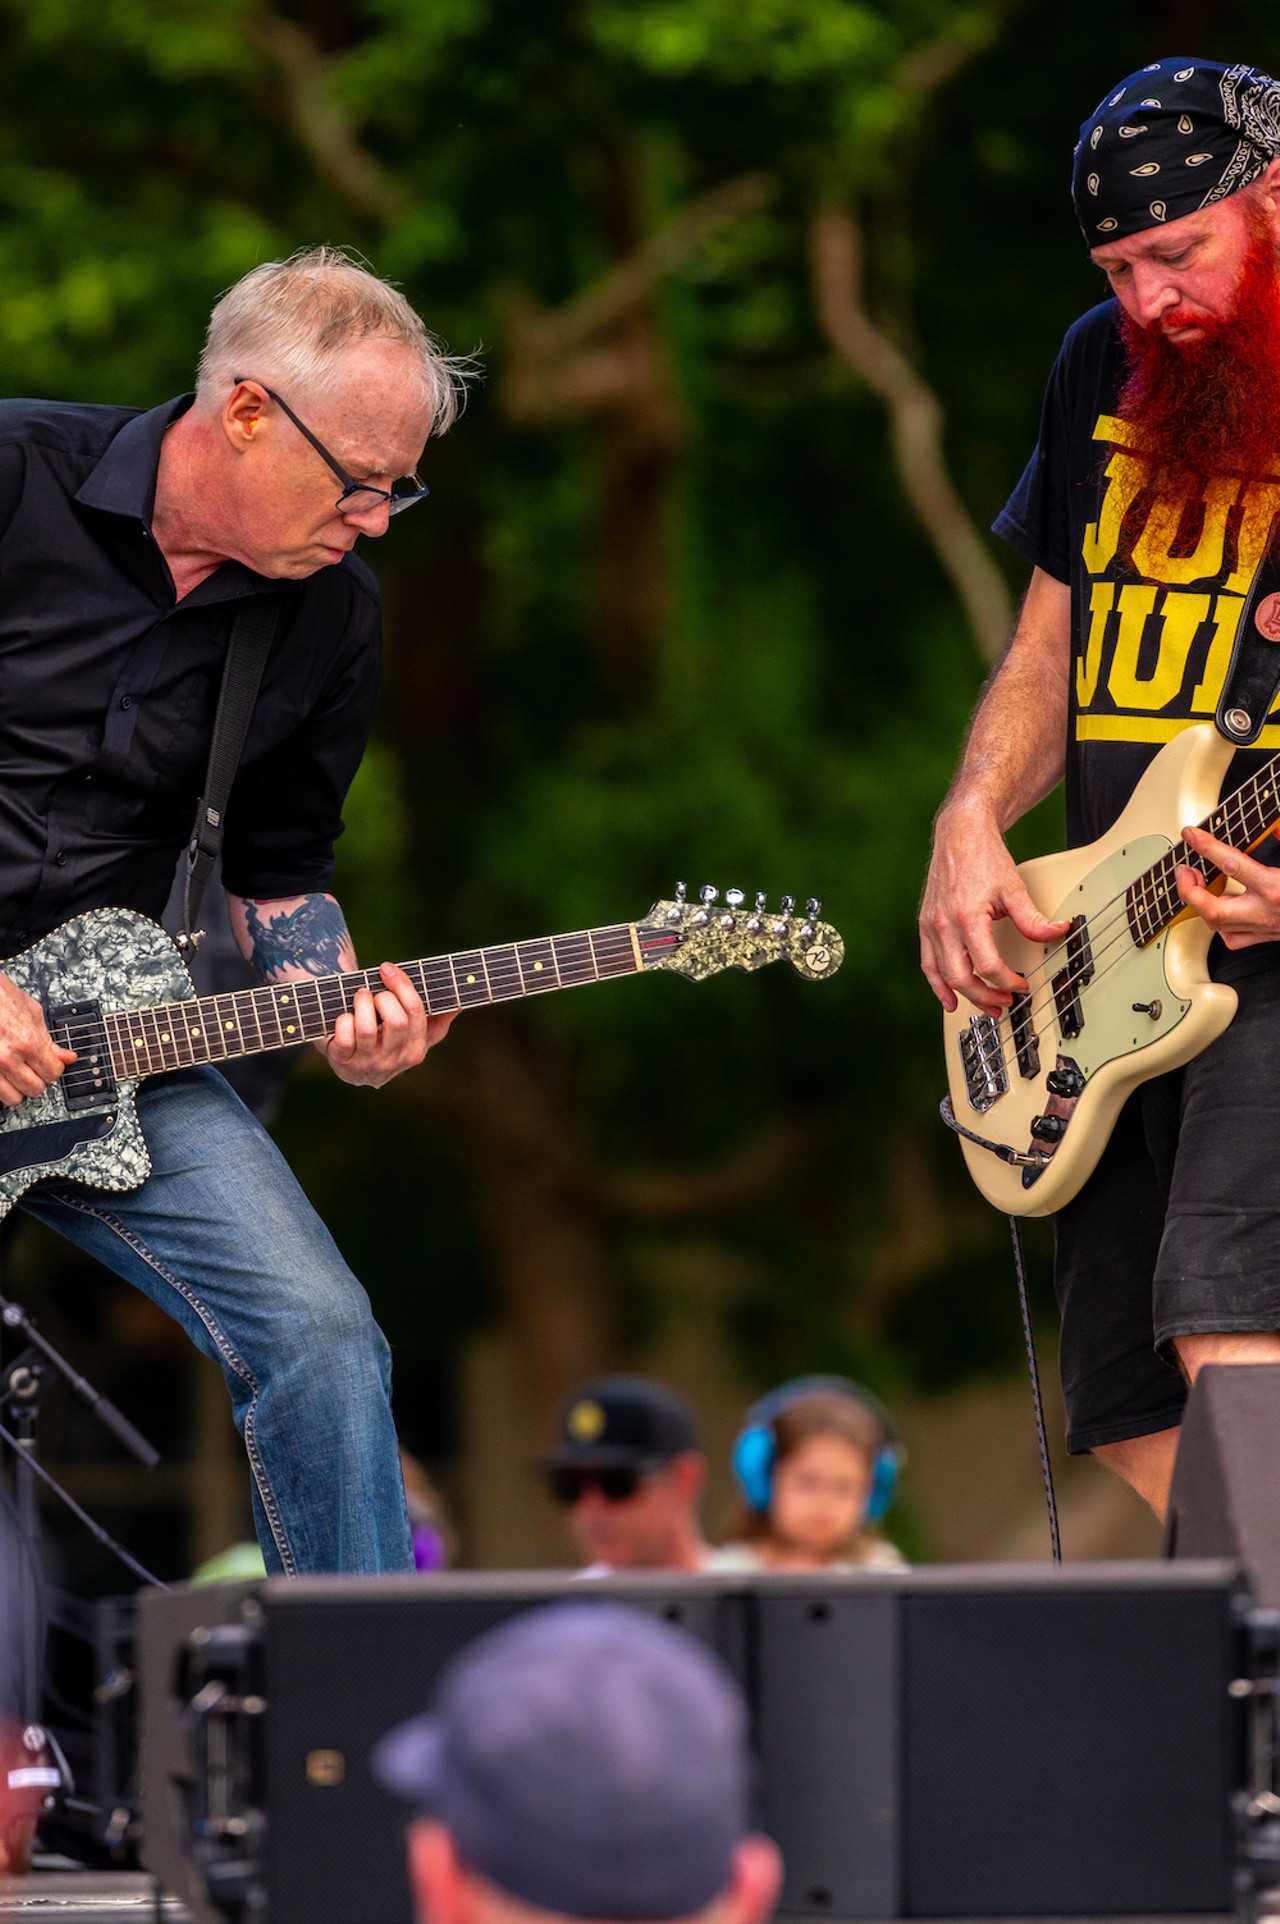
pixel 1124 996
pixel 115 990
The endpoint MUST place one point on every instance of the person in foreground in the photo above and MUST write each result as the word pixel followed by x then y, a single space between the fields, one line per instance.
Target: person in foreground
pixel 628 1472
pixel 582 1761
pixel 817 1463
pixel 1146 510
pixel 128 540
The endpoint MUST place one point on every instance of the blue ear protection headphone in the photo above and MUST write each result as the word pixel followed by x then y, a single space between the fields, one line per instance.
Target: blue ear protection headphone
pixel 756 1449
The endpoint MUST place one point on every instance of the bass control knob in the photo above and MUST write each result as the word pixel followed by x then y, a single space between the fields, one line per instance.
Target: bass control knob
pixel 1067 1082
pixel 1048 1128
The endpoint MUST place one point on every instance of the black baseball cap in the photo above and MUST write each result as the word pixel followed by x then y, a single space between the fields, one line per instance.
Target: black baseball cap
pixel 585 1758
pixel 621 1422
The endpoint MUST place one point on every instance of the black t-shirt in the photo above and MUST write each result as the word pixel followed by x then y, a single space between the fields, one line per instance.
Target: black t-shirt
pixel 108 688
pixel 1156 588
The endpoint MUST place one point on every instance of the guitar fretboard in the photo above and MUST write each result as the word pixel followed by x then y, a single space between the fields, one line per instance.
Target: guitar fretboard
pixel 279 1015
pixel 1242 820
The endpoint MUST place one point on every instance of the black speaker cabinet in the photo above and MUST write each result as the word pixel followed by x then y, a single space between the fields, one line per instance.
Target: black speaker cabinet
pixel 1223 1500
pixel 963 1742
pixel 334 1663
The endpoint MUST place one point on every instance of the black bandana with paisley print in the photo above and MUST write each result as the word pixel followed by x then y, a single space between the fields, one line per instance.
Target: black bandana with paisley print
pixel 1173 138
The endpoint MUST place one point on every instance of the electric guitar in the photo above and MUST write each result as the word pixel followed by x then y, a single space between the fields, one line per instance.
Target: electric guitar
pixel 1123 997
pixel 115 990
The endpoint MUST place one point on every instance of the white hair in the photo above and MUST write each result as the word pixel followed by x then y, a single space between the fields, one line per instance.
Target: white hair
pixel 286 324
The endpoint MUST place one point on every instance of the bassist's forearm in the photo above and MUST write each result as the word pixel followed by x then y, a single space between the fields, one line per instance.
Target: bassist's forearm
pixel 1015 751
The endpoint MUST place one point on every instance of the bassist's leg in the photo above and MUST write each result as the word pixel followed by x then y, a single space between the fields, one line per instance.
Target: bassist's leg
pixel 223 1238
pixel 1145 1463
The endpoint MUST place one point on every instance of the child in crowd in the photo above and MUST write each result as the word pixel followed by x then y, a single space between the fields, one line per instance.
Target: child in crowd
pixel 817 1463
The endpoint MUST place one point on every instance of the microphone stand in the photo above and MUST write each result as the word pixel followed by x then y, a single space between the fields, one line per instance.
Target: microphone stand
pixel 24 1383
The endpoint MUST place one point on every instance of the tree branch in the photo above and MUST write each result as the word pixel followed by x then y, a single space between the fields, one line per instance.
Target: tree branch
pixel 916 423
pixel 592 355
pixel 324 129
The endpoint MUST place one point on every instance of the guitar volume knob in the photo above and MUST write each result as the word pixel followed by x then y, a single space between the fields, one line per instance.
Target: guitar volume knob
pixel 1067 1083
pixel 1048 1128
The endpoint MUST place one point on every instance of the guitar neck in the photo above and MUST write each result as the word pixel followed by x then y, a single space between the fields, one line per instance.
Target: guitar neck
pixel 1242 820
pixel 279 1015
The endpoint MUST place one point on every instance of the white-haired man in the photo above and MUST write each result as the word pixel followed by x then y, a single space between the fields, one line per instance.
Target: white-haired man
pixel 128 540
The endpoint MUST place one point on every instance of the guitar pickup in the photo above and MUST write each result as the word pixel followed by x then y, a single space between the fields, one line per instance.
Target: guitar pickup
pixel 982 1053
pixel 1070 981
pixel 89 1082
pixel 1025 1043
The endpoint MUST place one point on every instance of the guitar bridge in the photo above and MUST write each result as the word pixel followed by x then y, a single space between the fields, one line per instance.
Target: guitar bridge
pixel 89 1082
pixel 982 1054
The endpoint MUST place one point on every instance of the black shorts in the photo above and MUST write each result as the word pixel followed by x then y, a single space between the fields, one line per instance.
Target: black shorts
pixel 1177 1232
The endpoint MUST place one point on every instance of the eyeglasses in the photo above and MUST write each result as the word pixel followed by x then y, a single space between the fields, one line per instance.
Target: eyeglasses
pixel 357 497
pixel 615 1486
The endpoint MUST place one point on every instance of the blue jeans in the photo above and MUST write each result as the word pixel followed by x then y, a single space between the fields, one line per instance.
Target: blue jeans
pixel 222 1237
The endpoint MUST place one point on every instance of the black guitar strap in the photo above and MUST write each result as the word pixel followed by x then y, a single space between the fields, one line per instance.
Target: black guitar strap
pixel 251 633
pixel 1253 678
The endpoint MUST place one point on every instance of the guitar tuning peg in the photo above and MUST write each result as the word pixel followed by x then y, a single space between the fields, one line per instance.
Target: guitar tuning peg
pixel 735 898
pixel 788 905
pixel 682 889
pixel 761 899
pixel 813 908
pixel 707 895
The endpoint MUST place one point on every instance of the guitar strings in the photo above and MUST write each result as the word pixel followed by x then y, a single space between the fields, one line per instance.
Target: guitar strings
pixel 1239 801
pixel 598 951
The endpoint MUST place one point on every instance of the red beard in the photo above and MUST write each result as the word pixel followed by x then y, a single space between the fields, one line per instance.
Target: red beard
pixel 1212 406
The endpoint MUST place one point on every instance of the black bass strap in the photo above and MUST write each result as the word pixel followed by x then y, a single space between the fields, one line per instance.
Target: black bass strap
pixel 1253 678
pixel 251 633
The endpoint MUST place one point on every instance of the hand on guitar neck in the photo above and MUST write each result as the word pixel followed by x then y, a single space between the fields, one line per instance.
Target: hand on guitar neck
pixel 1243 916
pixel 29 1059
pixel 385 1033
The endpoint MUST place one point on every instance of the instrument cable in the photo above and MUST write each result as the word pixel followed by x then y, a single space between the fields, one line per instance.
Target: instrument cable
pixel 1008 1154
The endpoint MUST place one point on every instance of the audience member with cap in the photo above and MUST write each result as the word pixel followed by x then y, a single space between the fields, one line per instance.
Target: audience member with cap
pixel 817 1463
pixel 582 1761
pixel 627 1469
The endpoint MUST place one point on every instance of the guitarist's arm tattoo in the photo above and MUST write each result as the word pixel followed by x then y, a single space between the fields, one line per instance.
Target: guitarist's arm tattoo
pixel 385 1027
pixel 295 935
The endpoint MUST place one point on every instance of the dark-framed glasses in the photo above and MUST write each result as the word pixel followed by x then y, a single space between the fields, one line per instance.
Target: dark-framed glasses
pixel 569 1486
pixel 357 497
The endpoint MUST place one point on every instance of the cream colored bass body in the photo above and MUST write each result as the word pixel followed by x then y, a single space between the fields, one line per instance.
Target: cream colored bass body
pixel 1125 997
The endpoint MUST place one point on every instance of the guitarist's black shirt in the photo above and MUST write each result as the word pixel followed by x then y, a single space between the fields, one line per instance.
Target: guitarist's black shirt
pixel 108 688
pixel 1156 589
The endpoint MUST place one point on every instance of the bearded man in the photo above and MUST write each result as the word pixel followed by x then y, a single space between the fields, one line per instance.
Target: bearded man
pixel 1146 511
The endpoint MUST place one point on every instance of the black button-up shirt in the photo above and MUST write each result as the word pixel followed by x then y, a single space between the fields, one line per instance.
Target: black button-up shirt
pixel 108 687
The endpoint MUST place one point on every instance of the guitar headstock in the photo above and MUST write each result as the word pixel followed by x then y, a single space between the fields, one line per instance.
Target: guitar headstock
pixel 698 939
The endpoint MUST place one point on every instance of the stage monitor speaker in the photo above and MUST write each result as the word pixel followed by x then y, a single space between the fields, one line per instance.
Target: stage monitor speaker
pixel 1223 1500
pixel 334 1662
pixel 964 1742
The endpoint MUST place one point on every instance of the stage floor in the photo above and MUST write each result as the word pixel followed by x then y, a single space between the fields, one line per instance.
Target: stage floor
pixel 89 1897
pixel 131 1897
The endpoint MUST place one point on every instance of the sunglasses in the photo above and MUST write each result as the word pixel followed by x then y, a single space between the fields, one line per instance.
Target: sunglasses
pixel 615 1486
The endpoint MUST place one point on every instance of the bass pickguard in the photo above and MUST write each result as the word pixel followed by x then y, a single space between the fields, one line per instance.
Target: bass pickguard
pixel 118 960
pixel 1127 1002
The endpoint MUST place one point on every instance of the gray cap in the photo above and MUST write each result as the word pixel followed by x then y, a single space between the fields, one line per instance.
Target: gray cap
pixel 587 1759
